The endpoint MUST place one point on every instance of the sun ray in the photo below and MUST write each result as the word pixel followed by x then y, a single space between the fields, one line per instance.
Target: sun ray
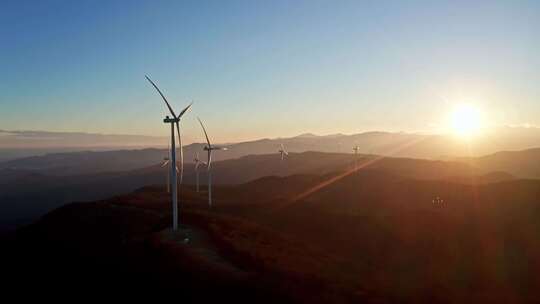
pixel 354 169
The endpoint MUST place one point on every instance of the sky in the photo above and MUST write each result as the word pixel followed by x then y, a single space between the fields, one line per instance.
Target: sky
pixel 258 69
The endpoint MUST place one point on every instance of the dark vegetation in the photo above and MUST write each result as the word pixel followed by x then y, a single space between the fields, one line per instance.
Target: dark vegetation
pixel 374 236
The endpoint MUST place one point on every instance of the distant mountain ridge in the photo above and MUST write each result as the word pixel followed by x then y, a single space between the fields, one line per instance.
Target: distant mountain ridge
pixel 87 162
pixel 525 163
pixel 45 139
pixel 397 144
pixel 380 143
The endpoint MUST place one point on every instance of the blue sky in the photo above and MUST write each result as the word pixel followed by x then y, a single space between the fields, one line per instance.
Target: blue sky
pixel 266 68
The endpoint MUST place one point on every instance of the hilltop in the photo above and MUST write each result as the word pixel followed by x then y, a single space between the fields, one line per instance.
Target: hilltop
pixel 370 236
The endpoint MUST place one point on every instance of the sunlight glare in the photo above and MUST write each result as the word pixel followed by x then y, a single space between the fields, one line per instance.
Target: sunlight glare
pixel 466 120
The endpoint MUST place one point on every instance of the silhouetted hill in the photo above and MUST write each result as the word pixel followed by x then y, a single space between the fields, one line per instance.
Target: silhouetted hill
pixel 123 244
pixel 524 163
pixel 26 194
pixel 368 236
pixel 251 167
pixel 418 241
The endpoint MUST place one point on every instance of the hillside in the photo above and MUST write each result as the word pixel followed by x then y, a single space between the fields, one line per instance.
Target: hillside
pixel 123 243
pixel 26 194
pixel 369 236
pixel 519 163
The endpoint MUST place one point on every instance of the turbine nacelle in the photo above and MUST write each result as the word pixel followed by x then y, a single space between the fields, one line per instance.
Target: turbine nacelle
pixel 171 120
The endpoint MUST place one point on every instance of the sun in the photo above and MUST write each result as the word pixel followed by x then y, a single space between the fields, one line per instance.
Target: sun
pixel 466 120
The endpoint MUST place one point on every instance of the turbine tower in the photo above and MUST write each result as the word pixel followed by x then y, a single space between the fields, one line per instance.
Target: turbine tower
pixel 283 152
pixel 197 162
pixel 356 149
pixel 209 148
pixel 175 122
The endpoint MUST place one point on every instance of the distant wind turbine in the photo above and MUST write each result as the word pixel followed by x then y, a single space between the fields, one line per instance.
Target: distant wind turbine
pixel 209 148
pixel 356 149
pixel 198 162
pixel 283 152
pixel 167 161
pixel 174 121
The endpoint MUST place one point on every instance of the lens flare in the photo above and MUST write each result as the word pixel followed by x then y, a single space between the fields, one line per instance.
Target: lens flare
pixel 466 120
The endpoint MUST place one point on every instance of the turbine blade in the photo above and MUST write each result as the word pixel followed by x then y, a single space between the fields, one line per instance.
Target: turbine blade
pixel 162 96
pixel 205 134
pixel 181 152
pixel 184 110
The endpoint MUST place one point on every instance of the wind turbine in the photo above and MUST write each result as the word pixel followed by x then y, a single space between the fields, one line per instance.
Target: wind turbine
pixel 283 152
pixel 166 161
pixel 174 121
pixel 209 148
pixel 198 162
pixel 356 149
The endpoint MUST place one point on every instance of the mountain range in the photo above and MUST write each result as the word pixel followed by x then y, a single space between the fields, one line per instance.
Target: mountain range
pixel 436 147
pixel 18 144
pixel 31 191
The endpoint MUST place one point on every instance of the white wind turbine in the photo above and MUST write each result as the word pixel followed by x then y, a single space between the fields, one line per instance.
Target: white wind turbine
pixel 166 161
pixel 356 149
pixel 174 121
pixel 209 148
pixel 197 162
pixel 283 152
